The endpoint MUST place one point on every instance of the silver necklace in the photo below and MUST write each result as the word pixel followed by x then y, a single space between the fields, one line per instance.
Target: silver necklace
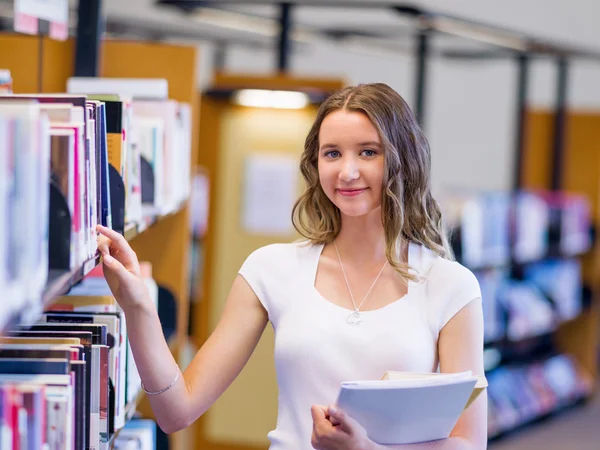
pixel 354 318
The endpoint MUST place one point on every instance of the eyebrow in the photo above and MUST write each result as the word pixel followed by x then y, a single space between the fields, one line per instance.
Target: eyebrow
pixel 361 144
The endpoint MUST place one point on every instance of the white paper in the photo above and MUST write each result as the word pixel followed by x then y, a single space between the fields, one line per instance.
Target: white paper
pixel 51 10
pixel 406 415
pixel 269 193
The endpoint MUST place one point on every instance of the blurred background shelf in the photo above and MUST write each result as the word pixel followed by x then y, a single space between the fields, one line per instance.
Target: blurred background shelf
pixel 556 412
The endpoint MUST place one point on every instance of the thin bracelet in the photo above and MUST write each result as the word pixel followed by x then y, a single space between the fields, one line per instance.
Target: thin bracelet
pixel 165 389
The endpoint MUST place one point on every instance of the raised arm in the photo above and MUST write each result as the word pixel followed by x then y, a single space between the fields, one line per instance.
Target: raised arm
pixel 215 365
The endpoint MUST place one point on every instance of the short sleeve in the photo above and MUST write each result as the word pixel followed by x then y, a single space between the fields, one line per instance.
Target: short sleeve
pixel 464 288
pixel 253 271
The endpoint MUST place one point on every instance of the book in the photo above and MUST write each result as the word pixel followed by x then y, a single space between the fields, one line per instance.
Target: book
pixel 410 408
pixel 51 353
pixel 117 353
pixel 91 373
pixel 480 385
pixel 97 376
pixel 60 407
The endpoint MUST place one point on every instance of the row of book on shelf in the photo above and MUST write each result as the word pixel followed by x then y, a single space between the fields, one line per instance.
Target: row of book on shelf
pixel 518 395
pixel 546 294
pixel 69 380
pixel 70 161
pixel 496 228
pixel 523 247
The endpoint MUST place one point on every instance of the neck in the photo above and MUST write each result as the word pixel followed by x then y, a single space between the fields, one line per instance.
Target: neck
pixel 362 238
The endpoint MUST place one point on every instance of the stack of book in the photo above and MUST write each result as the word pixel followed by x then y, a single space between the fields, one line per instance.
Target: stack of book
pixel 25 154
pixel 493 229
pixel 523 249
pixel 158 143
pixel 520 394
pixel 481 226
pixel 548 293
pixel 69 380
pixel 71 161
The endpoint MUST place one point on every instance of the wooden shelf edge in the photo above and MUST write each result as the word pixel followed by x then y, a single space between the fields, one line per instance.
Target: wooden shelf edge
pixel 61 283
pixel 133 230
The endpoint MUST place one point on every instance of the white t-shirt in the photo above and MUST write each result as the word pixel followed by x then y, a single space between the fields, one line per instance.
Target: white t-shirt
pixel 316 349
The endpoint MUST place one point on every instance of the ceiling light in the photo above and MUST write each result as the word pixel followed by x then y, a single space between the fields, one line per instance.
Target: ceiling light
pixel 271 99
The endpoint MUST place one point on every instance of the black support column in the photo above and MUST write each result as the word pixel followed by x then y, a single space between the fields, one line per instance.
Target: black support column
pixel 560 119
pixel 285 27
pixel 421 55
pixel 90 26
pixel 522 86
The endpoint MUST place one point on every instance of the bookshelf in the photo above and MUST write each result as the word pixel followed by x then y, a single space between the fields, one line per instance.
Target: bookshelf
pixel 42 65
pixel 580 174
pixel 527 260
pixel 577 336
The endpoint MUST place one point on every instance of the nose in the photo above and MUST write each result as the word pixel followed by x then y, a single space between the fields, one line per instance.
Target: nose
pixel 349 170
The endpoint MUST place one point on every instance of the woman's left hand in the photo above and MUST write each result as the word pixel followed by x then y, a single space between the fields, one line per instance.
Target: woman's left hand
pixel 335 430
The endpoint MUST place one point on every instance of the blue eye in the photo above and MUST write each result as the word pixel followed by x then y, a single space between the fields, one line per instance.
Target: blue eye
pixel 332 154
pixel 369 152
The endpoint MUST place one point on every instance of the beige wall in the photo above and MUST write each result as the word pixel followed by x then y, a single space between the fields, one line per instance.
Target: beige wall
pixel 248 409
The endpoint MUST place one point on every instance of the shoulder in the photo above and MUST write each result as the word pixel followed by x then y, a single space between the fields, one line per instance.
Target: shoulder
pixel 438 272
pixel 281 256
pixel 273 270
pixel 448 287
pixel 453 276
pixel 281 252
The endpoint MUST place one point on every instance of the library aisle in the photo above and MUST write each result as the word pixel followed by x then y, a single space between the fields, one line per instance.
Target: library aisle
pixel 577 428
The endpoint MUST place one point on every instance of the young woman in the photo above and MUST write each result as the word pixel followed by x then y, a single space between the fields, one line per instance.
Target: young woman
pixel 372 288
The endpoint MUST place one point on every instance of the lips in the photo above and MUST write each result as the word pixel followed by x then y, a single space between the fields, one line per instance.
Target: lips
pixel 351 192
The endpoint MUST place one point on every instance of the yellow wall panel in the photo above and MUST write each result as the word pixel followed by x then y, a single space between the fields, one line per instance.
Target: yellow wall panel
pixel 248 409
pixel 20 55
pixel 58 64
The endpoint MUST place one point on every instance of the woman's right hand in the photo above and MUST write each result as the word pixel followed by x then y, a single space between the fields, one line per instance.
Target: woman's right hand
pixel 121 269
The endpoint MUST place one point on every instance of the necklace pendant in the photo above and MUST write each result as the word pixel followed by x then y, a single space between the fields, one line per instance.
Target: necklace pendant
pixel 354 318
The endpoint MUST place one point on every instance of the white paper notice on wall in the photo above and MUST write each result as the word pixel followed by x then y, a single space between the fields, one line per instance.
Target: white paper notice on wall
pixel 269 193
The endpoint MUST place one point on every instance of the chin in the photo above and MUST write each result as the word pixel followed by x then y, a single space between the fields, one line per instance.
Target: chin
pixel 355 210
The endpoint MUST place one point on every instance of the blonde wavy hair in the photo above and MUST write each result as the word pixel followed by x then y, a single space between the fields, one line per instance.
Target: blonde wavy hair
pixel 408 210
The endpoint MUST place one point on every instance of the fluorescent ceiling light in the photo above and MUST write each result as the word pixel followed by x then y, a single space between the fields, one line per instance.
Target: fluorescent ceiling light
pixel 500 38
pixel 271 99
pixel 236 21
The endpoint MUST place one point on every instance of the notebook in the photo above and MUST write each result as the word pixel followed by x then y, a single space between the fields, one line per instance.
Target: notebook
pixel 410 408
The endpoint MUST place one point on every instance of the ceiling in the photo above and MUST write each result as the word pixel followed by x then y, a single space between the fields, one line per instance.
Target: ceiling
pixel 364 24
